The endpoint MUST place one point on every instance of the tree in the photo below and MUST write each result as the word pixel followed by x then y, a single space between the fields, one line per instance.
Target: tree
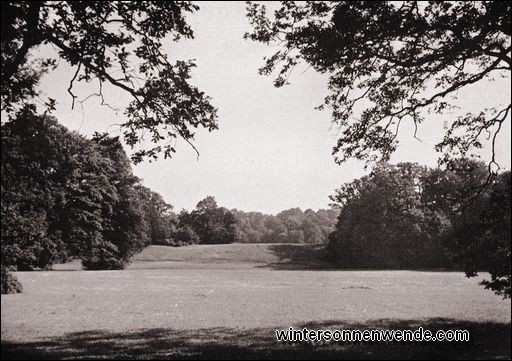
pixel 157 213
pixel 383 224
pixel 66 196
pixel 35 166
pixel 478 232
pixel 118 43
pixel 496 238
pixel 312 232
pixel 410 216
pixel 124 228
pixel 213 224
pixel 402 58
pixel 184 235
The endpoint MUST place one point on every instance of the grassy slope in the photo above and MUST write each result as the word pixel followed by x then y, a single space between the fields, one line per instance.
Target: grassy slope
pixel 277 256
pixel 241 253
pixel 268 254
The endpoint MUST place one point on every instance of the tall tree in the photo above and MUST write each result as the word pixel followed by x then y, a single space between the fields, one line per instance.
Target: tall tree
pixel 401 58
pixel 116 42
pixel 477 233
pixel 383 223
pixel 410 216
pixel 125 229
pixel 213 224
pixel 160 220
pixel 66 196
pixel 35 164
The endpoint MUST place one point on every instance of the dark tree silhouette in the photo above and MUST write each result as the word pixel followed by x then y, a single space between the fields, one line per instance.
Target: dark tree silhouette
pixel 476 233
pixel 67 196
pixel 211 223
pixel 410 216
pixel 115 42
pixel 403 58
pixel 383 223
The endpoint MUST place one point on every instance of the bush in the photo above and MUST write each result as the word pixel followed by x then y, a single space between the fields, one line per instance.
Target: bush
pixel 183 236
pixel 10 283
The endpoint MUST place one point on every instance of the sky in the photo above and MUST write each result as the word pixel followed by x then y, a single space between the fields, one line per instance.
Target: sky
pixel 273 149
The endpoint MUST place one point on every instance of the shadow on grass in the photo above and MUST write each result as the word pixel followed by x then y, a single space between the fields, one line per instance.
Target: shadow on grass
pixel 488 341
pixel 299 257
pixel 307 257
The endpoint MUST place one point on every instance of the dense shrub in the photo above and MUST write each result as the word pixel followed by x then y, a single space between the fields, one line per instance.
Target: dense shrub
pixel 184 236
pixel 9 282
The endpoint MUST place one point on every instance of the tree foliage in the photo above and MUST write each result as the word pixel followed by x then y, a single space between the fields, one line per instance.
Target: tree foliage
pixel 115 42
pixel 36 157
pixel 9 282
pixel 289 226
pixel 123 226
pixel 215 224
pixel 383 224
pixel 391 62
pixel 408 216
pixel 479 232
pixel 66 196
pixel 184 235
pixel 160 220
pixel 211 223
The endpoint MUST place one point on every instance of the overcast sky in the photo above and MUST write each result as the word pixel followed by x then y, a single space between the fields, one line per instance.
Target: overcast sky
pixel 273 149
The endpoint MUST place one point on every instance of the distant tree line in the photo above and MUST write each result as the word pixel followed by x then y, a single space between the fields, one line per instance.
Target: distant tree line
pixel 289 226
pixel 211 224
pixel 207 224
pixel 410 216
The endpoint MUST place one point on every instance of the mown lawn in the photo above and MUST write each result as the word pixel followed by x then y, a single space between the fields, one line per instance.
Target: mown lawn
pixel 187 307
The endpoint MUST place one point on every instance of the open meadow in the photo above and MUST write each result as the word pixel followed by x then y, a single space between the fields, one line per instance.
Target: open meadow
pixel 227 300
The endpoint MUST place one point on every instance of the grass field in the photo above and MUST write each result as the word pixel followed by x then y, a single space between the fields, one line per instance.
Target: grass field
pixel 226 302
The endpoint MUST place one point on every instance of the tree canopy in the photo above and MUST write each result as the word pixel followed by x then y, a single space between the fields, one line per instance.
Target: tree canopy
pixel 65 196
pixel 410 216
pixel 401 59
pixel 211 223
pixel 288 226
pixel 383 223
pixel 115 42
pixel 477 233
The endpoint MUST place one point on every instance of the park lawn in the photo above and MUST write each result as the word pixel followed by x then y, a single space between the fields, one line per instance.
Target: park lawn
pixel 193 307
